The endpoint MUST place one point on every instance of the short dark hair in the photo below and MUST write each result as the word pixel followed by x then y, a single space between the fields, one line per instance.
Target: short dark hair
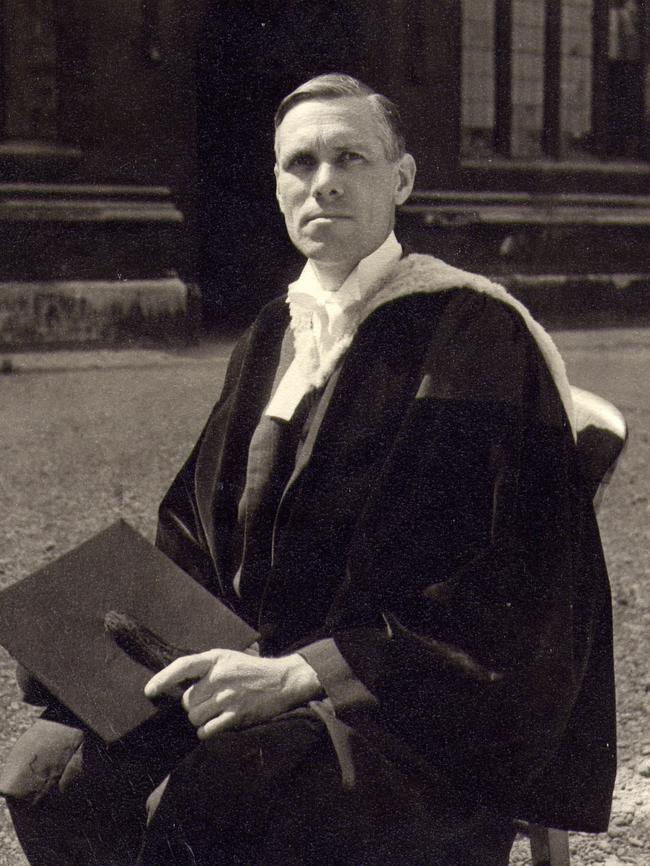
pixel 339 86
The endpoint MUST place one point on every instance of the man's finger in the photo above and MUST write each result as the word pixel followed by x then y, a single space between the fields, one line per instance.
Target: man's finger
pixel 222 722
pixel 214 705
pixel 184 668
pixel 198 692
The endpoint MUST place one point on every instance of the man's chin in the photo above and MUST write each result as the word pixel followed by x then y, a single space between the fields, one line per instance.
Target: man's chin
pixel 325 252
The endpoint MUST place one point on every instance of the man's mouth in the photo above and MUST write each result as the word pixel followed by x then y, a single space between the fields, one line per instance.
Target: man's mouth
pixel 326 217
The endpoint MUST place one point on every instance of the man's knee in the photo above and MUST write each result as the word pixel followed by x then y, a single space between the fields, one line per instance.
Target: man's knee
pixel 47 756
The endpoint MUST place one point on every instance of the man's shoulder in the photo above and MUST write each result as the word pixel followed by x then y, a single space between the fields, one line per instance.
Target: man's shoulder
pixel 449 312
pixel 424 286
pixel 481 326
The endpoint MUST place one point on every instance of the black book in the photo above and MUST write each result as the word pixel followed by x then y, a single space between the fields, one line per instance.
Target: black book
pixel 95 624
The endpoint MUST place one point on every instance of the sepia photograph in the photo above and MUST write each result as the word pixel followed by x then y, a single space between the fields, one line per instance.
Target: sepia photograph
pixel 325 432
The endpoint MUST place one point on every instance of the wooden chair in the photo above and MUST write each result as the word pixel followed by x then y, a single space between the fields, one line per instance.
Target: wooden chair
pixel 602 434
pixel 548 847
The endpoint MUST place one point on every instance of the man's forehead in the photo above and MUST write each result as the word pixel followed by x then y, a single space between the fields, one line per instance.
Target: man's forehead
pixel 341 122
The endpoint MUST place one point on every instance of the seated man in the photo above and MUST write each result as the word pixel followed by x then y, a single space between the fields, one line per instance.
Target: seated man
pixel 388 490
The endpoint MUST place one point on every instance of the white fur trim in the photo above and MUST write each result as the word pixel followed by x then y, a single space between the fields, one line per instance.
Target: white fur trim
pixel 316 368
pixel 417 274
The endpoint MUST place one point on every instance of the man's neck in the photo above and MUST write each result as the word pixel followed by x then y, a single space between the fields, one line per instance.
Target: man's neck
pixel 331 276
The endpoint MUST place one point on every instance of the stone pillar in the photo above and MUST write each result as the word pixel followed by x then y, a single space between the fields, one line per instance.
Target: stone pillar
pixel 644 27
pixel 98 168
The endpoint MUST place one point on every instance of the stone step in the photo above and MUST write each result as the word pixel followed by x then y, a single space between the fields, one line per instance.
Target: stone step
pixel 95 312
pixel 583 300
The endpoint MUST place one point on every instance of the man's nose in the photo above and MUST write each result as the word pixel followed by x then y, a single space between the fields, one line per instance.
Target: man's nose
pixel 326 182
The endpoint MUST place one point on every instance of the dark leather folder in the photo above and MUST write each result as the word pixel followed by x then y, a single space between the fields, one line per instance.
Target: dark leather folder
pixel 55 624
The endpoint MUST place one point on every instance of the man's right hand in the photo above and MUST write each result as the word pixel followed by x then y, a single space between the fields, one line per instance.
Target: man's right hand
pixel 236 689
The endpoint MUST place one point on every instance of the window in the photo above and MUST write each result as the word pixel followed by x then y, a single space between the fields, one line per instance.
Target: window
pixel 30 84
pixel 478 77
pixel 553 79
pixel 525 91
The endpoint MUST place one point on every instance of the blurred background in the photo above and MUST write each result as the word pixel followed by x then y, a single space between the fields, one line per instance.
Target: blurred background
pixel 136 182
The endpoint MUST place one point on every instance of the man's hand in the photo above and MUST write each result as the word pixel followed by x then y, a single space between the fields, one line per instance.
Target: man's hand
pixel 236 689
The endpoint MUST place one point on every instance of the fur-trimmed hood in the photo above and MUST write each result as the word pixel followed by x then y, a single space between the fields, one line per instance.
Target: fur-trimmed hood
pixel 416 274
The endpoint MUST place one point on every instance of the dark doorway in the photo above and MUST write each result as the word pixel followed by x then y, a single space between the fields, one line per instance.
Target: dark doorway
pixel 251 55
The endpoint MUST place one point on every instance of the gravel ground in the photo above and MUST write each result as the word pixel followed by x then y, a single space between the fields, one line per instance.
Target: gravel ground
pixel 90 436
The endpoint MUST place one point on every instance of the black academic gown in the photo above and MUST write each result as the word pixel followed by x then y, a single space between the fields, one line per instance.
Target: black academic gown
pixel 437 543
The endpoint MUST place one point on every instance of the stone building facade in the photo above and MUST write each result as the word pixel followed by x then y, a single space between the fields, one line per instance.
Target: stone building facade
pixel 136 183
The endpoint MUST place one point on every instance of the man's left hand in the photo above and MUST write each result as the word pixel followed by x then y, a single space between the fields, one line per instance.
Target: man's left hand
pixel 236 689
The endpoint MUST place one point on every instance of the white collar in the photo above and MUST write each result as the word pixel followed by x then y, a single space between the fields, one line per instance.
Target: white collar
pixel 324 323
pixel 359 282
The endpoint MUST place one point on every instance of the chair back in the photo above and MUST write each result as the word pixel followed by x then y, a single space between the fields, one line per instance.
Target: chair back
pixel 601 437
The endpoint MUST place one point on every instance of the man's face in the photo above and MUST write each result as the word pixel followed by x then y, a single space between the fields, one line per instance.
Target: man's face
pixel 335 186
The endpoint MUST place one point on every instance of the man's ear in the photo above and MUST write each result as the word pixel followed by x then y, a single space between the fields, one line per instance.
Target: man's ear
pixel 406 170
pixel 276 172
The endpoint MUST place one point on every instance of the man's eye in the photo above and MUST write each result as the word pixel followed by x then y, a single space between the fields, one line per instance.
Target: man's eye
pixel 301 160
pixel 349 156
